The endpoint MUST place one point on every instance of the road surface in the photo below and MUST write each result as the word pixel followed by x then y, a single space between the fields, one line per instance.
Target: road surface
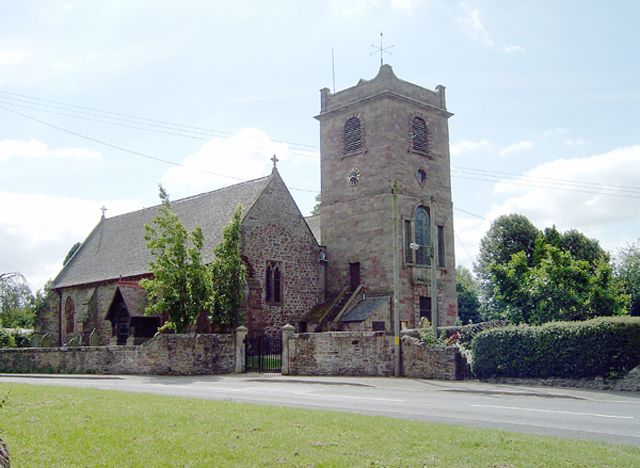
pixel 611 417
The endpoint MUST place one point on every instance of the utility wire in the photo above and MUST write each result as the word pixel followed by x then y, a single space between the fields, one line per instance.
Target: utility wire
pixel 202 134
pixel 127 117
pixel 134 152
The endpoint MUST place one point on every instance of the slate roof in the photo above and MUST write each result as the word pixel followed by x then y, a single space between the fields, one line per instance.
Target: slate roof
pixel 364 309
pixel 116 248
pixel 134 297
pixel 314 224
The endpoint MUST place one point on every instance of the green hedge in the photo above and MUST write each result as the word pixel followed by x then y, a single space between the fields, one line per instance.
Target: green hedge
pixel 607 347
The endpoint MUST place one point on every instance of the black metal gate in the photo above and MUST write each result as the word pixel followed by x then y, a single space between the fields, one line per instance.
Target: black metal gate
pixel 263 354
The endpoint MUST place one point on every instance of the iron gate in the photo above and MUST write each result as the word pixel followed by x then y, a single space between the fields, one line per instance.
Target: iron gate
pixel 263 354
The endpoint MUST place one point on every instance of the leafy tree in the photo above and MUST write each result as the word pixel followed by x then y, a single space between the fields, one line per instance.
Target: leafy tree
pixel 181 283
pixel 508 235
pixel 16 301
pixel 557 287
pixel 468 302
pixel 74 248
pixel 228 275
pixel 316 208
pixel 628 271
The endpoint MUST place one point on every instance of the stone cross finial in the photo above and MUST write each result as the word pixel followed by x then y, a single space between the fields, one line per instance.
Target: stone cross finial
pixel 275 160
pixel 103 209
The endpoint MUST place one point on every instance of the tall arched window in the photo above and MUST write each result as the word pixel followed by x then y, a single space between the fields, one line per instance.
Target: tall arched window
pixel 277 289
pixel 419 135
pixel 352 135
pixel 268 284
pixel 273 283
pixel 69 315
pixel 422 235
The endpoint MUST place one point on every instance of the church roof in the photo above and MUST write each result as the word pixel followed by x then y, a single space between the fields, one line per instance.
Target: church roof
pixel 116 248
pixel 314 224
pixel 365 308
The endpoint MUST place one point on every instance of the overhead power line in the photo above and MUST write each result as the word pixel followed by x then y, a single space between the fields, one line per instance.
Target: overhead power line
pixel 134 152
pixel 77 111
pixel 10 101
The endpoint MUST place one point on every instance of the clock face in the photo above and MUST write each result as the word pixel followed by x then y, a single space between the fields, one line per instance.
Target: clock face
pixel 353 176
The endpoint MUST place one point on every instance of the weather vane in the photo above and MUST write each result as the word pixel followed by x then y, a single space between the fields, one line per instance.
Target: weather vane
pixel 380 49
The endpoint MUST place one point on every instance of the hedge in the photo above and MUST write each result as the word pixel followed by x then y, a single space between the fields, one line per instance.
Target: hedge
pixel 606 346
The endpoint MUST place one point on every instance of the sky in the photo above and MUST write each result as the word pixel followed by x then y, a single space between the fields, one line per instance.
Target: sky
pixel 102 101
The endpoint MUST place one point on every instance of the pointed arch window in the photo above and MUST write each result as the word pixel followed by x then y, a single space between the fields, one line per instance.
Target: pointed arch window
pixel 422 228
pixel 352 135
pixel 273 283
pixel 69 315
pixel 419 135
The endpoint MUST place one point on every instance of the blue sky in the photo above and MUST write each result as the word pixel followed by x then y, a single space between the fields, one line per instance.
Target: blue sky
pixel 546 90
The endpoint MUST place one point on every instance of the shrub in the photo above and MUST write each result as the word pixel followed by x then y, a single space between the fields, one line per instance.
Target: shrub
pixel 6 339
pixel 605 347
pixel 468 332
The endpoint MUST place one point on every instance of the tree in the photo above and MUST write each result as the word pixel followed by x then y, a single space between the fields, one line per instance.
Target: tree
pixel 16 301
pixel 228 275
pixel 316 208
pixel 556 287
pixel 467 289
pixel 628 271
pixel 181 284
pixel 534 277
pixel 508 235
pixel 74 248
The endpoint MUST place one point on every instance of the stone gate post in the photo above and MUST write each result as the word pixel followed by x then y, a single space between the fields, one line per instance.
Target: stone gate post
pixel 287 332
pixel 241 334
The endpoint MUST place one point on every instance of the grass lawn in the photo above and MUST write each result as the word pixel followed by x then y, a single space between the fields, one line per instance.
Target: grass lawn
pixel 57 426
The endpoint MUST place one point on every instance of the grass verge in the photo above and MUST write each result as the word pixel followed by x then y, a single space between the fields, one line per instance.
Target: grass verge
pixel 59 426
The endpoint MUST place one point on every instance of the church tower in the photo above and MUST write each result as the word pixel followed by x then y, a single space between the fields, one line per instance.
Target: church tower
pixel 374 136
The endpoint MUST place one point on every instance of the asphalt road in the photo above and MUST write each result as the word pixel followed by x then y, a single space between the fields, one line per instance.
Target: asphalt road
pixel 581 414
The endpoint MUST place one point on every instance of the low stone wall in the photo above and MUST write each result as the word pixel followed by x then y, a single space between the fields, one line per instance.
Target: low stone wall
pixel 629 383
pixel 422 361
pixel 364 354
pixel 164 354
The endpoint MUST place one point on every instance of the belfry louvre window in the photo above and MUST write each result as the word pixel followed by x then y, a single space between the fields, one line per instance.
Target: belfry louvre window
pixel 273 283
pixel 352 135
pixel 419 135
pixel 441 253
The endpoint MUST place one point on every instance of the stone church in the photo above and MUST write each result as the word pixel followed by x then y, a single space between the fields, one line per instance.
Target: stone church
pixel 383 236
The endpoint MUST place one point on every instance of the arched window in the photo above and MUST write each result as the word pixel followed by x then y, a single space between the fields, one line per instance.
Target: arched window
pixel 277 289
pixel 273 283
pixel 69 315
pixel 352 135
pixel 419 135
pixel 268 284
pixel 422 235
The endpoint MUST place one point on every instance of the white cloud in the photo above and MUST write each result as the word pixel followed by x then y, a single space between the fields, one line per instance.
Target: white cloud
pixel 37 230
pixel 513 49
pixel 467 146
pixel 351 7
pixel 468 232
pixel 521 146
pixel 551 132
pixel 584 203
pixel 246 154
pixel 34 149
pixel 575 142
pixel 471 24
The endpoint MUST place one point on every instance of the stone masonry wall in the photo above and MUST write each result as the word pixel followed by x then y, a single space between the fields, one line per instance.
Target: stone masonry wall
pixel 366 354
pixel 164 354
pixel 274 230
pixel 421 361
